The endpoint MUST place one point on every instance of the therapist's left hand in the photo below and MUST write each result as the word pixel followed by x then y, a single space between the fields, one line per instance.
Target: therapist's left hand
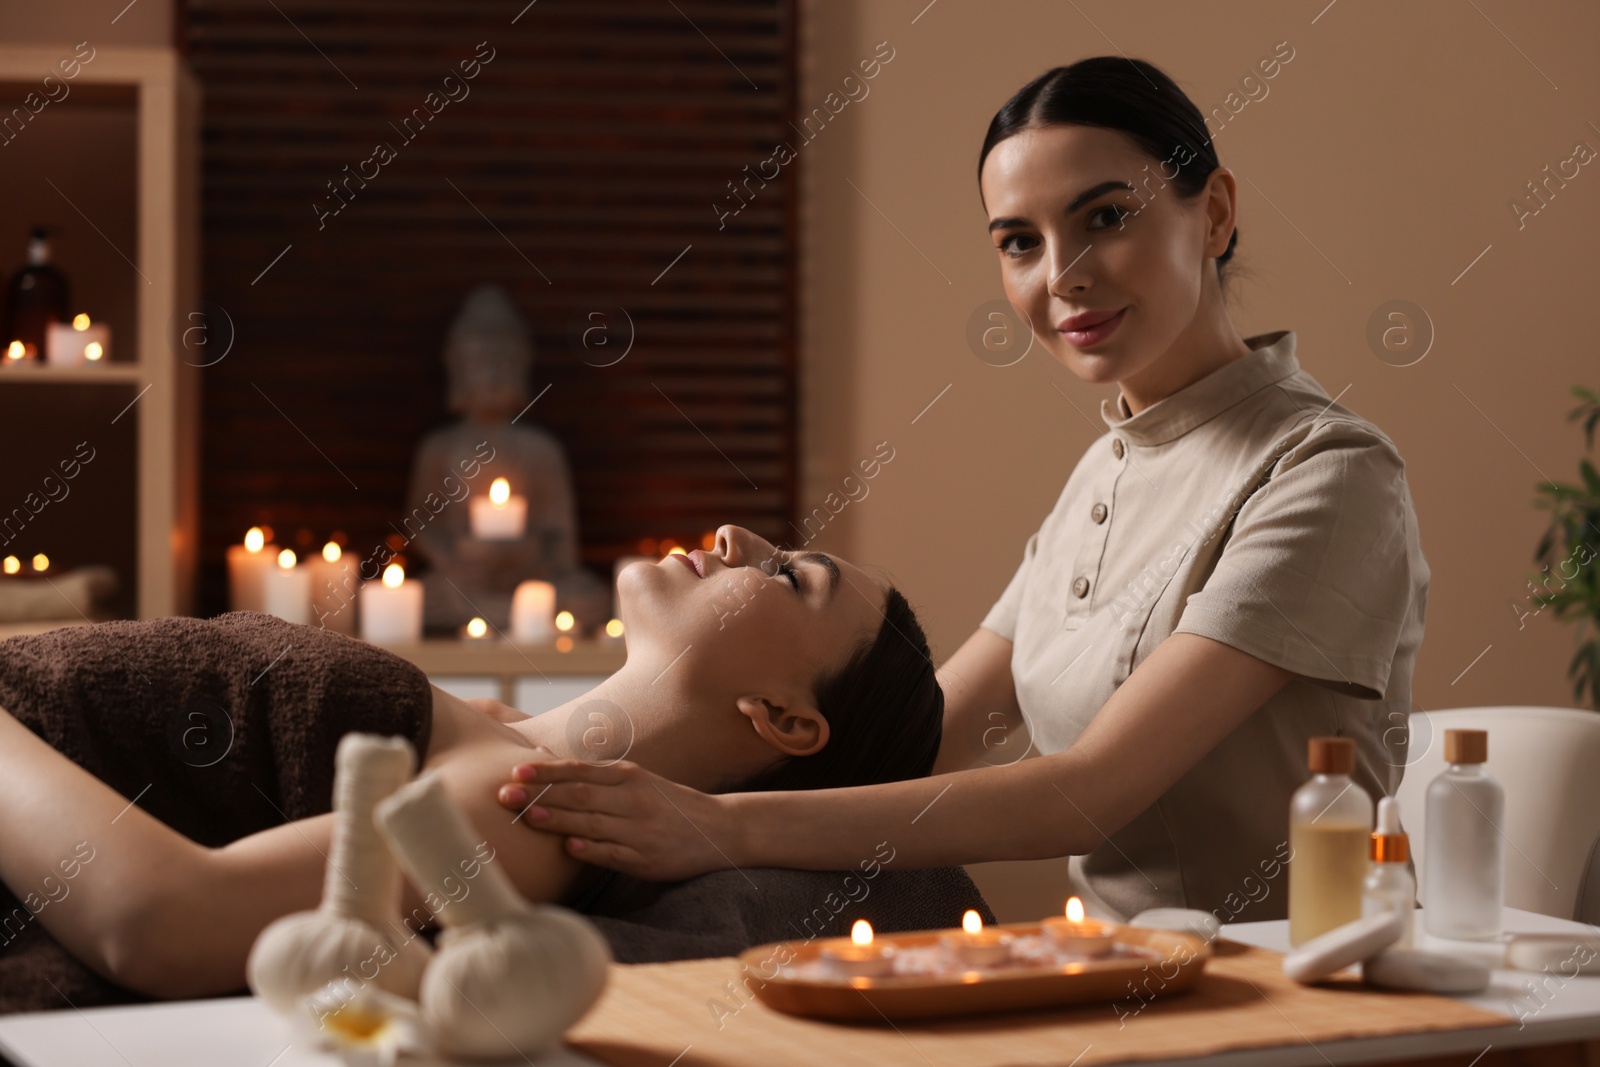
pixel 622 816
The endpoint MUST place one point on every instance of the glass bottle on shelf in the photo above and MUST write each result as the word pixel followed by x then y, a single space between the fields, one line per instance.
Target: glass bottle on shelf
pixel 36 297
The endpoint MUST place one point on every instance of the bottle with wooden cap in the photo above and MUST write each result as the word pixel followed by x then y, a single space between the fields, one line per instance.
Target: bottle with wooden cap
pixel 1463 887
pixel 1390 885
pixel 1330 827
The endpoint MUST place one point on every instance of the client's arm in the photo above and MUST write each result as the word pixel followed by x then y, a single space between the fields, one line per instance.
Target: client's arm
pixel 1179 703
pixel 152 910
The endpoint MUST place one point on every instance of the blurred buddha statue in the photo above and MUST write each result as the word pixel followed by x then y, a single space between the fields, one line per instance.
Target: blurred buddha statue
pixel 487 356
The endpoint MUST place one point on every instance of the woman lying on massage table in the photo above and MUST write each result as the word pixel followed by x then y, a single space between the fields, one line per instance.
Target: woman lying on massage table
pixel 748 667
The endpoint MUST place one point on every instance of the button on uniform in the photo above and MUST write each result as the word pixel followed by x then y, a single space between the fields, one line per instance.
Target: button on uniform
pixel 1080 587
pixel 1098 513
pixel 1116 447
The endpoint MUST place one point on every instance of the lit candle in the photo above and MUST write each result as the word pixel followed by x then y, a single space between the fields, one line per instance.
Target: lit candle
pixel 12 565
pixel 501 516
pixel 859 957
pixel 286 590
pixel 333 591
pixel 41 563
pixel 16 352
pixel 1074 933
pixel 533 607
pixel 77 343
pixel 248 565
pixel 391 610
pixel 975 946
pixel 614 634
pixel 475 630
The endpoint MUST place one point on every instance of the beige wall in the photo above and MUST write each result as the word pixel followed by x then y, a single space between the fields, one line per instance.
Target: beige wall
pixel 1381 162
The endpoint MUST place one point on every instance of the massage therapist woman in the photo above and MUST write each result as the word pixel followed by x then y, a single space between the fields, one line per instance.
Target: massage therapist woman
pixel 1231 569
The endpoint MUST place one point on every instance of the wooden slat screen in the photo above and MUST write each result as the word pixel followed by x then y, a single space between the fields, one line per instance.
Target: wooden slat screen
pixel 584 159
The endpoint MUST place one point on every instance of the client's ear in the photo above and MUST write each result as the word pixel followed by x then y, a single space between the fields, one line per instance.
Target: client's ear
pixel 796 730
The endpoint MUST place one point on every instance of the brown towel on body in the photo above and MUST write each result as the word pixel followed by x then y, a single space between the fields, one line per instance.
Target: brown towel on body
pixel 219 727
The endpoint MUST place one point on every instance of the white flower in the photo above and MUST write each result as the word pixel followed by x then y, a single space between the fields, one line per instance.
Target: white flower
pixel 365 1025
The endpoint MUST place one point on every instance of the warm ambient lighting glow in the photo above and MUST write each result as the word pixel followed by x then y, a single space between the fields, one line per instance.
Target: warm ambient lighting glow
pixel 331 552
pixel 708 541
pixel 563 643
pixel 1074 910
pixel 93 351
pixel 286 559
pixel 394 575
pixel 971 922
pixel 677 550
pixel 500 491
pixel 477 628
pixel 80 322
pixel 565 621
pixel 614 628
pixel 861 932
pixel 254 539
pixel 15 350
pixel 13 565
pixel 41 562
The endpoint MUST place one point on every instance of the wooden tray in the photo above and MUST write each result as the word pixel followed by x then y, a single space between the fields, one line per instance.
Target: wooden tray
pixel 1174 962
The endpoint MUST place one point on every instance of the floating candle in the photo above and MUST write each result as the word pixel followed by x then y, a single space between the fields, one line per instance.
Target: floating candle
pixel 860 958
pixel 1074 933
pixel 975 946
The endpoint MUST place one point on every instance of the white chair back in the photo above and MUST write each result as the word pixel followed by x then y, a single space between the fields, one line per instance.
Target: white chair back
pixel 1548 761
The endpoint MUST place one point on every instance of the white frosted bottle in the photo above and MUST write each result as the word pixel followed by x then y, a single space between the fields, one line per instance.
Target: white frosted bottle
pixel 1465 856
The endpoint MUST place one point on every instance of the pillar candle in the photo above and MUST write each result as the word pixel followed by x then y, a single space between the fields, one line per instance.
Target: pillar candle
pixel 247 568
pixel 391 610
pixel 286 590
pixel 333 591
pixel 69 344
pixel 500 516
pixel 533 608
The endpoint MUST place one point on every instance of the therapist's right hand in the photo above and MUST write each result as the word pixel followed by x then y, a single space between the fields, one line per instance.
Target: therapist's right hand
pixel 622 816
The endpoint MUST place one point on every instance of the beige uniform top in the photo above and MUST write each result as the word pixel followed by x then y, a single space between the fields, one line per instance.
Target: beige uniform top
pixel 1251 509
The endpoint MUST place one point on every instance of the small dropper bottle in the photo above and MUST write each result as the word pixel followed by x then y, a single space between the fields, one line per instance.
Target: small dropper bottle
pixel 1390 885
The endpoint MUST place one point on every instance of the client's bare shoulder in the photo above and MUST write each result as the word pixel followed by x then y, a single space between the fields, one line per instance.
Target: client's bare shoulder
pixel 472 754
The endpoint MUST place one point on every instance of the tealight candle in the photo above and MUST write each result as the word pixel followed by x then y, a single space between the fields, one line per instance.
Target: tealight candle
pixel 860 957
pixel 286 590
pixel 12 565
pixel 78 343
pixel 1074 933
pixel 475 630
pixel 248 565
pixel 391 610
pixel 975 946
pixel 533 608
pixel 614 635
pixel 501 516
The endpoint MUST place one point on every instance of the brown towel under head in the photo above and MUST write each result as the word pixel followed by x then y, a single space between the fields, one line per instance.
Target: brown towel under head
pixel 219 727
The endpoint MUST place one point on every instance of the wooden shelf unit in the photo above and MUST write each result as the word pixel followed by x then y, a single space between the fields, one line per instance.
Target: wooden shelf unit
pixel 165 107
